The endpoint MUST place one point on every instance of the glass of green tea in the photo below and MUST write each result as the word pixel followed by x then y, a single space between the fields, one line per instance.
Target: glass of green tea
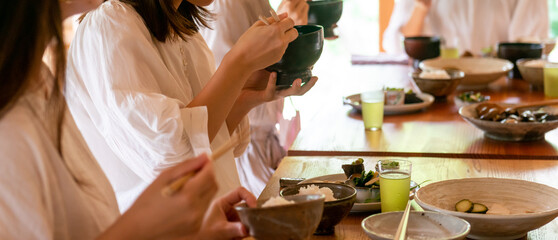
pixel 551 80
pixel 372 104
pixel 395 184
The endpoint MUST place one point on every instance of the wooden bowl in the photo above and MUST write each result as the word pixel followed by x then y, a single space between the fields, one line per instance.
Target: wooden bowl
pixel 532 74
pixel 293 221
pixel 531 205
pixel 334 211
pixel 439 87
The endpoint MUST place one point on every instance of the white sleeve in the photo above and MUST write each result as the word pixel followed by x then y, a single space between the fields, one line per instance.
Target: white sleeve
pixel 114 60
pixel 393 38
pixel 529 20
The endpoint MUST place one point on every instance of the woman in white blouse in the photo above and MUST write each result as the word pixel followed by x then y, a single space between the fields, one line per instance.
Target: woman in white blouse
pixel 52 188
pixel 264 153
pixel 476 24
pixel 144 92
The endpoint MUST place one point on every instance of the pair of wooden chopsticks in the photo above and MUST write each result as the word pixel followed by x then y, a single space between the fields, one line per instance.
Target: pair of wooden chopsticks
pixel 273 14
pixel 172 188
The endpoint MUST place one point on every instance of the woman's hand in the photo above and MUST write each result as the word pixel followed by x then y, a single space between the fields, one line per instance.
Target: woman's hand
pixel 221 221
pixel 156 216
pixel 255 93
pixel 297 10
pixel 262 45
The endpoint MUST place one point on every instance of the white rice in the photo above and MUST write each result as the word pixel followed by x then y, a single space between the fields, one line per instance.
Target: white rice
pixel 277 201
pixel 313 189
pixel 434 74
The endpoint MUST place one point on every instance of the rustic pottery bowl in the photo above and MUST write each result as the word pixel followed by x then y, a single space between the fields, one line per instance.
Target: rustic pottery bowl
pixel 325 13
pixel 300 56
pixel 521 131
pixel 479 72
pixel 421 225
pixel 513 51
pixel 439 87
pixel 532 74
pixel 531 205
pixel 293 221
pixel 334 211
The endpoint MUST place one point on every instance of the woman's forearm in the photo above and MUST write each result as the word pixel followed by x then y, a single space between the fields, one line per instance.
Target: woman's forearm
pixel 415 24
pixel 222 91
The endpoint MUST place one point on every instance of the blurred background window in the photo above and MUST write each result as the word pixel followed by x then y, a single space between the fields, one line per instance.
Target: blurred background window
pixel 553 14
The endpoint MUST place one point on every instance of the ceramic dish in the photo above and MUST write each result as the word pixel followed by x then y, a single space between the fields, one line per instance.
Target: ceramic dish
pixel 421 225
pixel 354 101
pixel 357 207
pixel 530 205
pixel 479 72
pixel 522 131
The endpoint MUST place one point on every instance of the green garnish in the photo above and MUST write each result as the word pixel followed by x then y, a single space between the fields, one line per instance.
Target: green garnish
pixel 358 161
pixel 473 97
pixel 360 181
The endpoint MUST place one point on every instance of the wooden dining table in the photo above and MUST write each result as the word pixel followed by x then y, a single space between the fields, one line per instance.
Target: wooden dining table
pixel 424 168
pixel 330 128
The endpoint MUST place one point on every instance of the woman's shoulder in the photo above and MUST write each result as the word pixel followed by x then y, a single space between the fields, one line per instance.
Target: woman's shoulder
pixel 113 16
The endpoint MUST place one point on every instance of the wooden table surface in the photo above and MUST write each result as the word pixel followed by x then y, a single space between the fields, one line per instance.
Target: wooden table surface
pixel 424 168
pixel 330 128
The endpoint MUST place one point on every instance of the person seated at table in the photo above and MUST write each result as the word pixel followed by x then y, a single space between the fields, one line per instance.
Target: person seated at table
pixel 52 187
pixel 264 153
pixel 144 92
pixel 473 25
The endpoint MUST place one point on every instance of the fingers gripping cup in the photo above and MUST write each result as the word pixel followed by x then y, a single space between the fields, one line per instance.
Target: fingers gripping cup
pixel 372 109
pixel 300 56
pixel 395 182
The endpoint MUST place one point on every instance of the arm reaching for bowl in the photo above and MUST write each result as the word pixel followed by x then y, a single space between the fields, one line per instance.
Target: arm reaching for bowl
pixel 414 26
pixel 222 221
pixel 297 10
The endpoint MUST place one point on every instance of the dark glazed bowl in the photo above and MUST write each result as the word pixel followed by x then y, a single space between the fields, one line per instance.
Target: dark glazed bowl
pixel 293 221
pixel 334 211
pixel 325 13
pixel 422 47
pixel 515 51
pixel 300 56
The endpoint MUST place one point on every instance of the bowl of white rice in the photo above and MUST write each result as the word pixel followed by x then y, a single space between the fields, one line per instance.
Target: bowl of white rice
pixel 438 82
pixel 339 199
pixel 289 217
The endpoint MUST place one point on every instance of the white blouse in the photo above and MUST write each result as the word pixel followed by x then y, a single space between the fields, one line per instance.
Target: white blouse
pixel 45 195
pixel 261 158
pixel 477 24
pixel 128 93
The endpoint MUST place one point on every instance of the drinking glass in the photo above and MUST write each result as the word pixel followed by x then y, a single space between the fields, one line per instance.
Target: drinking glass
pixel 395 184
pixel 450 48
pixel 372 104
pixel 551 80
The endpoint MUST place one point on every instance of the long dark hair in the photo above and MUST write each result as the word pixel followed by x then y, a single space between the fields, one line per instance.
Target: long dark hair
pixel 162 19
pixel 28 27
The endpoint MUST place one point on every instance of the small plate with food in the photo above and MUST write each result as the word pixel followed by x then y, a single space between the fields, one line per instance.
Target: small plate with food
pixel 368 198
pixel 412 102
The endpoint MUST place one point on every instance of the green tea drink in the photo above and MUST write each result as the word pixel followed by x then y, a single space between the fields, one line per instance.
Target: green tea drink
pixel 449 53
pixel 551 80
pixel 373 115
pixel 394 190
pixel 372 104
